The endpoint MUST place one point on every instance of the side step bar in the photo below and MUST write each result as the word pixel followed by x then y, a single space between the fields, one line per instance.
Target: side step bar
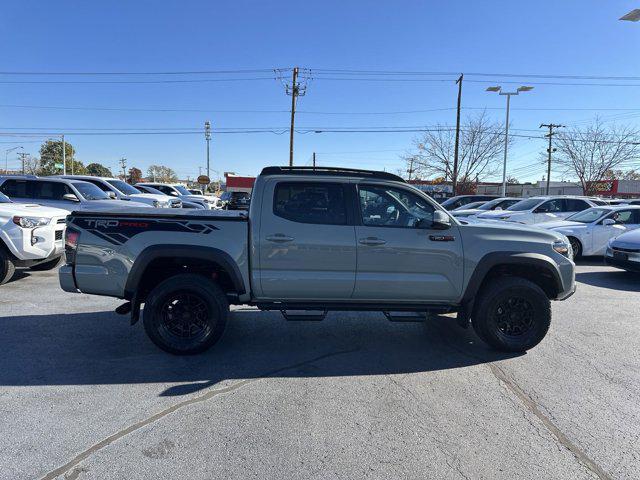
pixel 418 317
pixel 303 317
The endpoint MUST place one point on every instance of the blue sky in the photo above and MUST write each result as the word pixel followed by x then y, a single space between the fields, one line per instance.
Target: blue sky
pixel 543 37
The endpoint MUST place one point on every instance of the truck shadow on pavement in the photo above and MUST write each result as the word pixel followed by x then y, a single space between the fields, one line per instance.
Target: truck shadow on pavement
pixel 613 280
pixel 101 348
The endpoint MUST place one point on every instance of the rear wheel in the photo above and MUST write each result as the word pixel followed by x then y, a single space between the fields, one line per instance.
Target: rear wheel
pixel 50 265
pixel 576 246
pixel 186 314
pixel 512 314
pixel 7 268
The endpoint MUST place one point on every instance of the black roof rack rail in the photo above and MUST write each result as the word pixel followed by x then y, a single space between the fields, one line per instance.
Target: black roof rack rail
pixel 338 171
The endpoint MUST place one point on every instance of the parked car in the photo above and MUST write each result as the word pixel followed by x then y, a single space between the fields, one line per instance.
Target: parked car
pixel 460 200
pixel 235 200
pixel 496 204
pixel 195 192
pixel 117 189
pixel 320 240
pixel 539 209
pixel 590 230
pixel 184 203
pixel 30 236
pixel 624 251
pixel 471 205
pixel 181 192
pixel 61 193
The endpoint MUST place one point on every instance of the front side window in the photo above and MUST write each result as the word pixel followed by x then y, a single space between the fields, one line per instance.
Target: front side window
pixel 392 207
pixel 50 190
pixel 304 202
pixel 623 217
pixel 524 205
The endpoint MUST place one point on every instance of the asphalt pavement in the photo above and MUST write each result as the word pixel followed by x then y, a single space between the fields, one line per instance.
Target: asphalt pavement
pixel 83 395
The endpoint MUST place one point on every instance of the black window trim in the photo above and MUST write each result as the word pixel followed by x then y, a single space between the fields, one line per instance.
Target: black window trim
pixel 359 215
pixel 349 217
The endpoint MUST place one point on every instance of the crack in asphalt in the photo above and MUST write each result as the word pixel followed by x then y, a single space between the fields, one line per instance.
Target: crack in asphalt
pixel 532 407
pixel 163 413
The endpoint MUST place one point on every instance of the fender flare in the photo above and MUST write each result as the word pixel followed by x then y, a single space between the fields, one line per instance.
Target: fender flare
pixel 155 252
pixel 494 259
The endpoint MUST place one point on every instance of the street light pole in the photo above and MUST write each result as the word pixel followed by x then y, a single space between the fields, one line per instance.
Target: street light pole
pixel 6 158
pixel 207 136
pixel 498 89
pixel 64 156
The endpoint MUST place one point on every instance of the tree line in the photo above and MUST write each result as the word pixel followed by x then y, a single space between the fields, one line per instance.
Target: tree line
pixel 51 159
pixel 590 154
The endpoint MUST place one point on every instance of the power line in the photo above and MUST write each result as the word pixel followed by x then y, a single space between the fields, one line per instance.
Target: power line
pixel 181 72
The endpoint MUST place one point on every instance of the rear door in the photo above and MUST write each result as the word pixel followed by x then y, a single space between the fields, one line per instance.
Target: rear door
pixel 400 256
pixel 307 247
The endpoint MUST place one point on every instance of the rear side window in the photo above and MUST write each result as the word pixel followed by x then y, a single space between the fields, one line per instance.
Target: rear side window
pixel 304 202
pixel 576 205
pixel 16 189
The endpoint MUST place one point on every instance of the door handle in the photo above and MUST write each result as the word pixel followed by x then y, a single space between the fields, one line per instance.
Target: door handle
pixel 279 238
pixel 371 241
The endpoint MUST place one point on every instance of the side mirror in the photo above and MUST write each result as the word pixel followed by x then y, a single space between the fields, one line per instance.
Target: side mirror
pixel 111 195
pixel 607 222
pixel 498 208
pixel 70 197
pixel 441 220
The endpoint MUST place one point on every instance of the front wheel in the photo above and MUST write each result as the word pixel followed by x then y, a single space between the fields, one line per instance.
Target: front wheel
pixel 185 314
pixel 576 246
pixel 7 268
pixel 512 314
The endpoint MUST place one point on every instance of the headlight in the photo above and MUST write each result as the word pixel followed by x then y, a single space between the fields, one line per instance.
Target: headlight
pixel 31 222
pixel 561 247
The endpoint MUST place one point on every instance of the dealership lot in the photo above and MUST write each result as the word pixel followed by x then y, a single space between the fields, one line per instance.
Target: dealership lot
pixel 84 395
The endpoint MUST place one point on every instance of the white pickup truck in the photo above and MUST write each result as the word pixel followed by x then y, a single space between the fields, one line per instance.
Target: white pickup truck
pixel 30 236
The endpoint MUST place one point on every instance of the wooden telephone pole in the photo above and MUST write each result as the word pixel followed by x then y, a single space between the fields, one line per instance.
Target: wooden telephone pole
pixel 454 182
pixel 550 126
pixel 294 92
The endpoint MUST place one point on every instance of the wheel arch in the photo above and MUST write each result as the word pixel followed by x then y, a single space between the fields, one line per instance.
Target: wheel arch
pixel 536 267
pixel 158 262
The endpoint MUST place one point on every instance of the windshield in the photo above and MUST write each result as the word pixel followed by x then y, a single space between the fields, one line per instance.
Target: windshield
pixel 89 191
pixel 589 215
pixel 470 206
pixel 182 190
pixel 124 187
pixel 155 191
pixel 498 202
pixel 524 205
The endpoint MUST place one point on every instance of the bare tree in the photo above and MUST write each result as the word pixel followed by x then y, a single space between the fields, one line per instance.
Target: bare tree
pixel 31 165
pixel 481 146
pixel 592 152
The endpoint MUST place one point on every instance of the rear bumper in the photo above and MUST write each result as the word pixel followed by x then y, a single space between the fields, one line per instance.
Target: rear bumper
pixel 67 282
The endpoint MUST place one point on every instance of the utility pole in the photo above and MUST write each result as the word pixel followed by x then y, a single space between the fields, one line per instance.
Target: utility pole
pixel 410 171
pixel 550 126
pixel 123 165
pixel 64 156
pixel 294 95
pixel 207 136
pixel 22 156
pixel 455 150
pixel 314 159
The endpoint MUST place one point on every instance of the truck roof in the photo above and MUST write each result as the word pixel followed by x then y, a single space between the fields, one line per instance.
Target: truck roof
pixel 330 171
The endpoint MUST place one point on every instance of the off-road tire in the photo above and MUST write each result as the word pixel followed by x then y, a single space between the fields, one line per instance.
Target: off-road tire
pixel 7 268
pixel 181 304
pixel 50 265
pixel 512 314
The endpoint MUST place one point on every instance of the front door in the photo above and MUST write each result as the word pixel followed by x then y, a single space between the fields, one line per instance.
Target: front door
pixel 306 241
pixel 625 220
pixel 400 256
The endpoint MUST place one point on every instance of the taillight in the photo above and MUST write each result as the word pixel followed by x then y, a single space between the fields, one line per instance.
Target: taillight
pixel 71 238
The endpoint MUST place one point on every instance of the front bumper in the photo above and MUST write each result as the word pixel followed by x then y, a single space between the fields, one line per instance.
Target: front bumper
pixel 67 281
pixel 628 265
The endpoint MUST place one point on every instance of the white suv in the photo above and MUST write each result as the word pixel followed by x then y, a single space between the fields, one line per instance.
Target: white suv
pixel 117 189
pixel 30 236
pixel 539 210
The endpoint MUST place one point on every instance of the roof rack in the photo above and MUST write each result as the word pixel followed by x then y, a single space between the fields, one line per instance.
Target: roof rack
pixel 338 171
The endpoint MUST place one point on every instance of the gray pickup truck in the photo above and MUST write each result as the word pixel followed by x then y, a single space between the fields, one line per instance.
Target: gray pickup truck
pixel 315 240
